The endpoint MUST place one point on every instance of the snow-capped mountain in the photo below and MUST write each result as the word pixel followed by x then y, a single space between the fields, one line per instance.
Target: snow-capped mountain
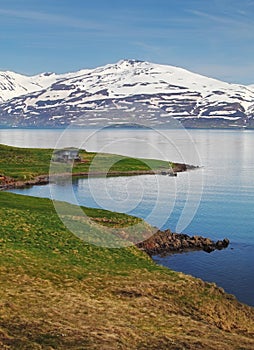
pixel 14 85
pixel 128 91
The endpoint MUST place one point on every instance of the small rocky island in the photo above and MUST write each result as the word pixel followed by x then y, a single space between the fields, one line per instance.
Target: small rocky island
pixel 166 242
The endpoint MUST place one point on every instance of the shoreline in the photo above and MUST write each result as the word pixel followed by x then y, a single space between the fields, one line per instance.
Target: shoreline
pixel 162 242
pixel 7 183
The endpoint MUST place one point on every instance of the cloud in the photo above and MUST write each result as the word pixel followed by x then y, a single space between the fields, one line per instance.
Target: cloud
pixel 232 27
pixel 145 46
pixel 226 19
pixel 52 18
pixel 240 73
pixel 215 18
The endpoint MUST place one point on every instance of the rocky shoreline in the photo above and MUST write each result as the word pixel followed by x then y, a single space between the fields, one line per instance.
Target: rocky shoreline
pixel 7 183
pixel 166 242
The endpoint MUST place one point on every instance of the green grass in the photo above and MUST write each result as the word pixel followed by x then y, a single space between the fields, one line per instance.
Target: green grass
pixel 30 224
pixel 24 163
pixel 60 292
pixel 27 163
pixel 103 162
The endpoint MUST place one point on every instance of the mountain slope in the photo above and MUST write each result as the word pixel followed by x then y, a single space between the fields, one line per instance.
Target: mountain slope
pixel 14 84
pixel 106 95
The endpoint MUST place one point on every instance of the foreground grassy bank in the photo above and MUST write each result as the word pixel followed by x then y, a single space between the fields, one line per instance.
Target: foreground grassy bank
pixel 58 292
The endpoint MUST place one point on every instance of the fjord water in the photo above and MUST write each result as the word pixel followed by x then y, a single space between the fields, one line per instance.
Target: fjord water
pixel 216 200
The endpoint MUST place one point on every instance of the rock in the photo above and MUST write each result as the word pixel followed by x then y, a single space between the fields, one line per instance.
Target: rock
pixel 222 244
pixel 209 249
pixel 163 242
pixel 178 167
pixel 226 242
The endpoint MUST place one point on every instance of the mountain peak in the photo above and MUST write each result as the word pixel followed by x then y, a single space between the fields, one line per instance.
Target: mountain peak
pixel 47 74
pixel 130 61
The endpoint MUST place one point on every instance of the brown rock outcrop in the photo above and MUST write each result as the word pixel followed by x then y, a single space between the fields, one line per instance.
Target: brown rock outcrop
pixel 166 242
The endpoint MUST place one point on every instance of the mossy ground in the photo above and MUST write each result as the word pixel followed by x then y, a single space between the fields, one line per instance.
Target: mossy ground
pixel 59 292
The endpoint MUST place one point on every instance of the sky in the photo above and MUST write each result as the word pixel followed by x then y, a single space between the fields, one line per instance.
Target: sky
pixel 210 37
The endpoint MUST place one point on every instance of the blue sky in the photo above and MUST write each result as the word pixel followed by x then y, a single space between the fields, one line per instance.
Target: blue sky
pixel 214 38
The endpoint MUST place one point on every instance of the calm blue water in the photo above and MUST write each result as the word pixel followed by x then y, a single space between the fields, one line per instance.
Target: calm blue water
pixel 216 200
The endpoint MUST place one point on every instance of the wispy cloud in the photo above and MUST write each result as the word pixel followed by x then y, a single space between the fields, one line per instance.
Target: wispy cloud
pixel 52 18
pixel 146 46
pixel 127 26
pixel 214 18
pixel 240 72
pixel 231 26
pixel 226 19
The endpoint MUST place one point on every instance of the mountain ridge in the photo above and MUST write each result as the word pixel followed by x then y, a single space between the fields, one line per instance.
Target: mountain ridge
pixel 92 97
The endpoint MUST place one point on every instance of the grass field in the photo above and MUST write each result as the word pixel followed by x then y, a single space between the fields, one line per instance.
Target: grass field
pixel 59 292
pixel 27 163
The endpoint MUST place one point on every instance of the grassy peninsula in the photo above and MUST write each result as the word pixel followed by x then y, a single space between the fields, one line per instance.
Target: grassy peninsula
pixel 28 163
pixel 59 292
